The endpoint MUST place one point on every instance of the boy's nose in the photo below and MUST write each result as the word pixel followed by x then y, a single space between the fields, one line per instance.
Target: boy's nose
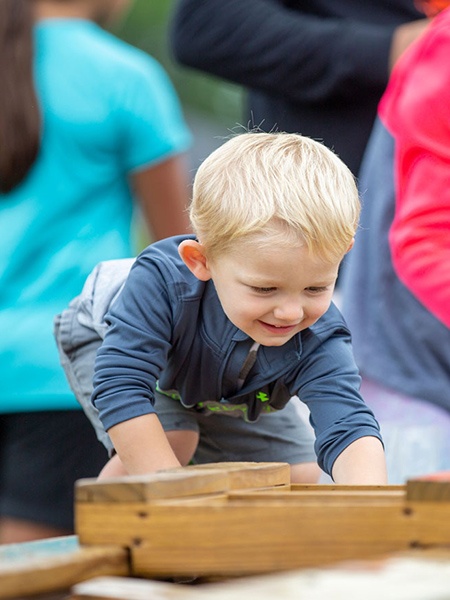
pixel 291 312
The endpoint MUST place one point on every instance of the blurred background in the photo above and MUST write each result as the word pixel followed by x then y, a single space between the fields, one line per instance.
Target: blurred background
pixel 212 107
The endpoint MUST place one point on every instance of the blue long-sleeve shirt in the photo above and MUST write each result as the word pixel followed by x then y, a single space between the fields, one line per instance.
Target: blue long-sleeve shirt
pixel 166 326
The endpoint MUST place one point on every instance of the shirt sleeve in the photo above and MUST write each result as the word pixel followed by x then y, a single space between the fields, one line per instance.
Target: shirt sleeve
pixel 152 125
pixel 328 383
pixel 415 110
pixel 135 347
pixel 265 45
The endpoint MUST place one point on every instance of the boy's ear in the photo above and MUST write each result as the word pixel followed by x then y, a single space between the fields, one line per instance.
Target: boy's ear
pixel 193 256
pixel 352 243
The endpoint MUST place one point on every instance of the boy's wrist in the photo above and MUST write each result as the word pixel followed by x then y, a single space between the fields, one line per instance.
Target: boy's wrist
pixel 142 445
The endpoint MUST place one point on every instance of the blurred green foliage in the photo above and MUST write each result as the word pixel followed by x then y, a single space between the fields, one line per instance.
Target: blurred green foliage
pixel 146 27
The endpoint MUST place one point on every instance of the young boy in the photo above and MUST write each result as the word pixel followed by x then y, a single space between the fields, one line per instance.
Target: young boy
pixel 212 334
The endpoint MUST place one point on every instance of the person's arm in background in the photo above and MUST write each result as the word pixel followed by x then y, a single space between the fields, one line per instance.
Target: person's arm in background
pixel 403 37
pixel 263 45
pixel 163 194
pixel 155 140
pixel 416 112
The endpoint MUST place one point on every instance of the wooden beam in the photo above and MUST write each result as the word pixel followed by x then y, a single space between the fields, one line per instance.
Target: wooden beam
pixel 183 482
pixel 55 564
pixel 258 524
pixel 430 488
pixel 251 475
pixel 220 538
pixel 326 498
pixel 333 487
pixel 147 488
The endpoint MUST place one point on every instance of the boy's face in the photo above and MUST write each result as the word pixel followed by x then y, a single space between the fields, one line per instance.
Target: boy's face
pixel 272 293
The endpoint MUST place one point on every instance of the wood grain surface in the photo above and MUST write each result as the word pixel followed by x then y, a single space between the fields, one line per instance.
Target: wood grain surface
pixel 55 564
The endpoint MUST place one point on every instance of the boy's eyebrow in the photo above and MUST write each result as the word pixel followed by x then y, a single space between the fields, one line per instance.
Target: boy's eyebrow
pixel 262 281
pixel 256 279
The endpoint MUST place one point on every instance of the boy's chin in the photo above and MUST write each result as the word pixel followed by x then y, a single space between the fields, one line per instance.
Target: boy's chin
pixel 274 343
pixel 269 341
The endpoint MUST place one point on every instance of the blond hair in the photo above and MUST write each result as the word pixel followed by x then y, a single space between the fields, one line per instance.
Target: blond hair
pixel 256 184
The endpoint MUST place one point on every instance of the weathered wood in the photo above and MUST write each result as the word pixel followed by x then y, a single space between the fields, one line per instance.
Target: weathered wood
pixel 261 524
pixel 400 577
pixel 50 565
pixel 248 475
pixel 146 488
pixel 262 528
pixel 333 487
pixel 430 488
pixel 429 523
pixel 326 498
pixel 220 521
pixel 184 482
pixel 243 537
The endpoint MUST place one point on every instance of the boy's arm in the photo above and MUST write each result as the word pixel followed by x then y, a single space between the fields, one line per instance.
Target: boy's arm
pixel 142 445
pixel 362 462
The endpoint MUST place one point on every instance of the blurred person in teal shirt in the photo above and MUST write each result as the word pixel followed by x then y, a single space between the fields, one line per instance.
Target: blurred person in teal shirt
pixel 91 128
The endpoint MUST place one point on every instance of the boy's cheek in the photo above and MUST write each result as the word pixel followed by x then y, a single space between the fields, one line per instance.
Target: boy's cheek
pixel 320 310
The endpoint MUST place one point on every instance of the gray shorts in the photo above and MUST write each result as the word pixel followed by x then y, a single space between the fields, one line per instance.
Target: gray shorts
pixel 281 436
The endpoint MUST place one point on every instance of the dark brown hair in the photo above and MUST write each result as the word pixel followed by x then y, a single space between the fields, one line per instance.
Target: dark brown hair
pixel 20 118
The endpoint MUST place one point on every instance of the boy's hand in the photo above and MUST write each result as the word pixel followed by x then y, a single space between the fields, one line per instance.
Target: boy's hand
pixel 142 445
pixel 113 468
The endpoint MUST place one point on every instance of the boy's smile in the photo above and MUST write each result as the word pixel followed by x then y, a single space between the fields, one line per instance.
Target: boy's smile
pixel 271 293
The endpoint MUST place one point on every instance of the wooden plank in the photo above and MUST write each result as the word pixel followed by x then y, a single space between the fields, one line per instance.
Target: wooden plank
pixel 398 577
pixel 429 523
pixel 338 497
pixel 183 482
pixel 332 487
pixel 242 538
pixel 146 488
pixel 430 488
pixel 179 523
pixel 264 538
pixel 248 475
pixel 265 496
pixel 47 566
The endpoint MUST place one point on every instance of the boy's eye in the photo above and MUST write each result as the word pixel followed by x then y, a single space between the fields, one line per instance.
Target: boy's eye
pixel 317 290
pixel 263 290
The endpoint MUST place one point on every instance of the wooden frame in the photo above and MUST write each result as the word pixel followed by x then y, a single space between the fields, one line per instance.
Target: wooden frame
pixel 221 531
pixel 221 521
